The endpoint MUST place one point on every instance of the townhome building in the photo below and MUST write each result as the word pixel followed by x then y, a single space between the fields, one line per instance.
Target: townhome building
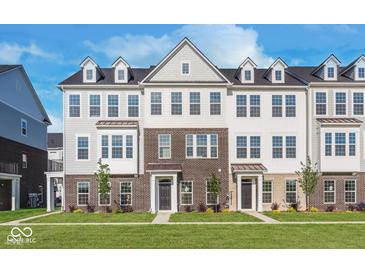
pixel 166 129
pixel 23 141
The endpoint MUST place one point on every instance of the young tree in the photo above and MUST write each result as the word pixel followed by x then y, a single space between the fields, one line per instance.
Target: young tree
pixel 103 178
pixel 214 184
pixel 308 179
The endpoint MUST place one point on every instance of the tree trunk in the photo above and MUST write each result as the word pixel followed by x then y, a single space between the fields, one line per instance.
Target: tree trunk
pixel 307 201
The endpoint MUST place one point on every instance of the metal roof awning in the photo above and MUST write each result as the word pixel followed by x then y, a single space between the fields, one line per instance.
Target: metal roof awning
pixel 339 121
pixel 117 124
pixel 254 167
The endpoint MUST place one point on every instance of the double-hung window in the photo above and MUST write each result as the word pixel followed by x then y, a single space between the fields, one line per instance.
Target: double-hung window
pixel 186 193
pixel 255 151
pixel 321 103
pixel 121 74
pixel 129 146
pixel 241 147
pixel 247 75
pixel 329 192
pixel 23 127
pixel 340 144
pixel 164 146
pixel 291 191
pixel 277 108
pixel 361 72
pixel 358 103
pixel 83 193
pixel 185 68
pixel 104 199
pixel 82 148
pixel 126 193
pixel 117 146
pixel 267 192
pixel 290 106
pixel 350 191
pixel 340 103
pixel 176 103
pixel 74 105
pixel 277 147
pixel 104 146
pixel 241 105
pixel 352 144
pixel 194 103
pixel 215 103
pixel 254 105
pixel 278 75
pixel 89 74
pixel 24 161
pixel 133 106
pixel 328 144
pixel 113 105
pixel 212 198
pixel 156 103
pixel 201 146
pixel 330 72
pixel 291 147
pixel 94 105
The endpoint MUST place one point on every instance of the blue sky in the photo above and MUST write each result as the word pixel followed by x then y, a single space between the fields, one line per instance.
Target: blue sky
pixel 50 53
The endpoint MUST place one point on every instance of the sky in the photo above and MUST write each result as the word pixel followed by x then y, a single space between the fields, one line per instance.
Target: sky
pixel 51 53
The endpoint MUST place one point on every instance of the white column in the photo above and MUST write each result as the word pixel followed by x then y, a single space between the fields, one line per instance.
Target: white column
pixel 15 194
pixel 63 205
pixel 50 194
pixel 259 192
pixel 239 200
pixel 153 193
pixel 174 193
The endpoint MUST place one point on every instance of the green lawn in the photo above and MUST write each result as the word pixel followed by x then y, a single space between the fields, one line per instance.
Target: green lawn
pixel 317 216
pixel 95 218
pixel 194 236
pixel 7 216
pixel 213 217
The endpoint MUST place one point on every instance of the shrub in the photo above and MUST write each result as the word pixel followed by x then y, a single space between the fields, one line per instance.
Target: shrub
pixel 188 208
pixel 276 211
pixel 360 206
pixel 210 211
pixel 79 210
pixel 349 211
pixel 330 208
pixel 90 208
pixel 314 209
pixel 126 209
pixel 217 208
pixel 351 208
pixel 117 211
pixel 71 208
pixel 225 211
pixel 274 206
pixel 202 207
pixel 295 206
pixel 291 209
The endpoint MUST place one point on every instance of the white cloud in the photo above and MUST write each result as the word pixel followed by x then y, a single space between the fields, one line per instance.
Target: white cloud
pixel 224 45
pixel 57 124
pixel 296 61
pixel 13 52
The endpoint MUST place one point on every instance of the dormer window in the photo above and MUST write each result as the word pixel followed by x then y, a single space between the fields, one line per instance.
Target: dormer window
pixel 185 68
pixel 278 75
pixel 361 73
pixel 330 72
pixel 247 75
pixel 121 74
pixel 89 74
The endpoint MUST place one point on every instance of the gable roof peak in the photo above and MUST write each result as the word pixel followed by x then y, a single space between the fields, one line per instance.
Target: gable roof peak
pixel 248 60
pixel 353 63
pixel 88 59
pixel 331 57
pixel 118 60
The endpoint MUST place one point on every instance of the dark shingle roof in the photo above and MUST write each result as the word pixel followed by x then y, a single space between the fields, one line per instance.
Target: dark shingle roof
pixel 55 140
pixel 305 73
pixel 4 68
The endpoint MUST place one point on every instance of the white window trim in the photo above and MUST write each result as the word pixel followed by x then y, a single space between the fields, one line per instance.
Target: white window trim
pixel 324 191
pixel 150 104
pixel 206 195
pixel 248 146
pixel 182 104
pixel 271 192
pixel 110 147
pixel 220 104
pixel 195 146
pixel 344 192
pixel 21 127
pixel 334 103
pixel 26 160
pixel 92 74
pixel 76 147
pixel 296 190
pixel 88 105
pixel 100 141
pixel 107 105
pixel 248 98
pixel 283 106
pixel 315 104
pixel 110 197
pixel 193 103
pixel 192 192
pixel 139 103
pixel 181 68
pixel 68 105
pixel 120 193
pixel 158 136
pixel 77 190
pixel 353 104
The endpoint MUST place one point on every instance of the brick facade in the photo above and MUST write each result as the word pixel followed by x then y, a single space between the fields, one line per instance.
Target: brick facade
pixel 33 178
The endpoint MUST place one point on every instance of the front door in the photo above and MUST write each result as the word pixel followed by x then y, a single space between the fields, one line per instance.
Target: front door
pixel 164 190
pixel 246 195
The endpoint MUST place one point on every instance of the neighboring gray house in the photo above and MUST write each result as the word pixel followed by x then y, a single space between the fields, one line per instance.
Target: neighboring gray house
pixel 23 141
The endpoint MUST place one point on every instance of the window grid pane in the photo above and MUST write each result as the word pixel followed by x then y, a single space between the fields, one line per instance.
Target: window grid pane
pixel 133 106
pixel 156 105
pixel 215 103
pixel 125 193
pixel 194 103
pixel 329 191
pixel 321 103
pixel 176 103
pixel 186 191
pixel 277 109
pixel 277 146
pixel 255 105
pixel 340 103
pixel 290 102
pixel 241 105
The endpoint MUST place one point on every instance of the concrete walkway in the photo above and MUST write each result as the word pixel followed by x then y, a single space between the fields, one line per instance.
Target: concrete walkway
pixel 162 218
pixel 262 217
pixel 16 222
